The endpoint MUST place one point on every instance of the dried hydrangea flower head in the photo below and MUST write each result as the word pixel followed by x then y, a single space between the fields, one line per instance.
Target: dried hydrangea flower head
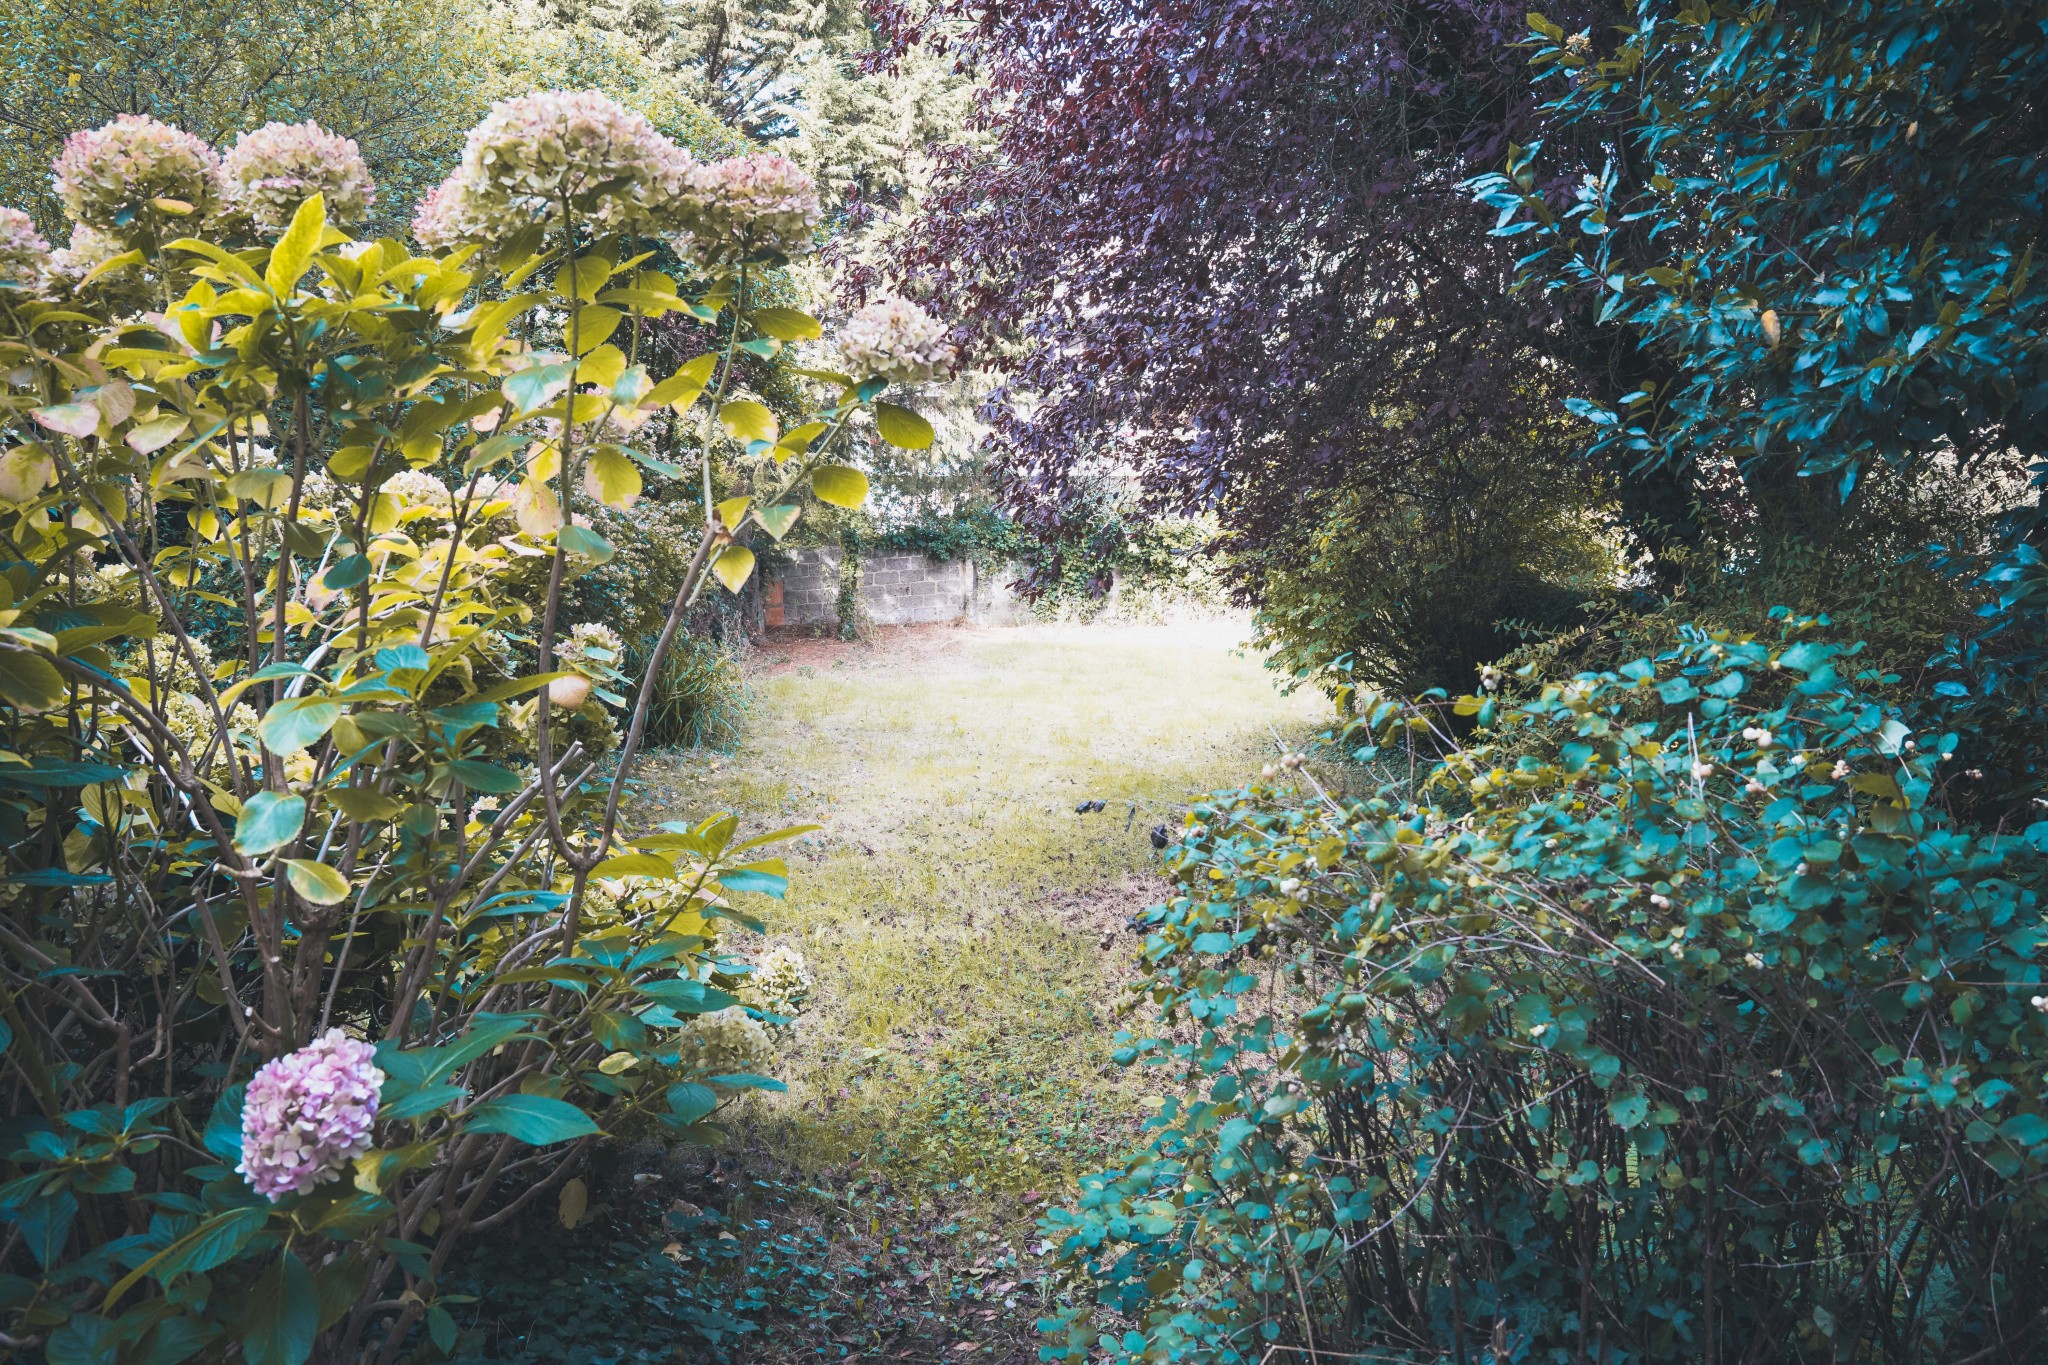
pixel 24 255
pixel 896 340
pixel 533 152
pixel 271 171
pixel 748 204
pixel 309 1113
pixel 120 176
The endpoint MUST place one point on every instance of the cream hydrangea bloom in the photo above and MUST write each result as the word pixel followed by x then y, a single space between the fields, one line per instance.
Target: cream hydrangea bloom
pixel 533 152
pixel 271 171
pixel 417 488
pixel 896 340
pixel 107 176
pixel 760 202
pixel 24 255
pixel 727 1042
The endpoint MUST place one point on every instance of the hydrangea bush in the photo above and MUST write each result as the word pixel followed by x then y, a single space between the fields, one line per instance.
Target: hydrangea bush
pixel 328 938
pixel 1675 1017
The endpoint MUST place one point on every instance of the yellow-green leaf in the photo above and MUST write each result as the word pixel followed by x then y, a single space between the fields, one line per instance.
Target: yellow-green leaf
pixel 732 510
pixel 575 1197
pixel 585 280
pixel 268 488
pixel 590 327
pixel 316 882
pixel 634 865
pixel 747 420
pixel 156 433
pixel 294 251
pixel 734 565
pixel 611 478
pixel 797 440
pixel 902 427
pixel 778 519
pixel 28 681
pixel 839 485
pixel 683 387
pixel 786 324
pixel 366 805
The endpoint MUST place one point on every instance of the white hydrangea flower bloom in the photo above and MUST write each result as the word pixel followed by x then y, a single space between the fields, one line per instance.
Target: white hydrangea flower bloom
pixel 760 202
pixel 895 339
pixel 533 152
pixel 781 981
pixel 106 176
pixel 271 171
pixel 727 1042
pixel 24 255
pixel 417 488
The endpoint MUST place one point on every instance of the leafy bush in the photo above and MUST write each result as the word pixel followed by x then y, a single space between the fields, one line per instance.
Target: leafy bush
pixel 325 950
pixel 700 698
pixel 1675 1018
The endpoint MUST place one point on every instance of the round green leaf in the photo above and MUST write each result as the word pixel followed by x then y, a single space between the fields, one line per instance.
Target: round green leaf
pixel 734 565
pixel 316 882
pixel 902 427
pixel 839 485
pixel 269 822
pixel 295 722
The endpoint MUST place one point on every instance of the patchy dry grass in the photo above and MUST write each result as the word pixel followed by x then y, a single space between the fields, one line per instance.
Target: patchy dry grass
pixel 967 928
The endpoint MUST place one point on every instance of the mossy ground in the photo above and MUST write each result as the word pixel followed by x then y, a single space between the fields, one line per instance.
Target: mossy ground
pixel 967 929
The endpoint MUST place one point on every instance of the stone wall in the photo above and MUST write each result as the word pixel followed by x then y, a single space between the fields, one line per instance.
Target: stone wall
pixel 898 589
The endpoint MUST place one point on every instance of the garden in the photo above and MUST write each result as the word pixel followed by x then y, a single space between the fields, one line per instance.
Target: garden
pixel 1507 819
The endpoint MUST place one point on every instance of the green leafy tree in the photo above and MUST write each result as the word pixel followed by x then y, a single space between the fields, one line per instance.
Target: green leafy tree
pixel 215 67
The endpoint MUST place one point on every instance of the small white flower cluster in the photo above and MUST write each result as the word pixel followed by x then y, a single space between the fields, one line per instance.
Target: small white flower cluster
pixel 270 172
pixel 107 176
pixel 781 981
pixel 894 339
pixel 727 1042
pixel 88 249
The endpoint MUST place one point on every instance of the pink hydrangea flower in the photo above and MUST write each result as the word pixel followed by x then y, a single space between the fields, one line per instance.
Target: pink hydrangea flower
pixel 24 255
pixel 308 1113
pixel 107 175
pixel 532 151
pixel 898 340
pixel 761 202
pixel 276 168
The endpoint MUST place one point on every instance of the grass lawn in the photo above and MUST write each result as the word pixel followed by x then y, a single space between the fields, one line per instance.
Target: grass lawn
pixel 967 931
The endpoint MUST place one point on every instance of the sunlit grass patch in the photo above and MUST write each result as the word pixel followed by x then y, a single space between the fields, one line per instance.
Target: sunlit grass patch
pixel 966 926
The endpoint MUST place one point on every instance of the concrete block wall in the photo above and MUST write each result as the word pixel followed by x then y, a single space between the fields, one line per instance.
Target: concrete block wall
pixel 898 589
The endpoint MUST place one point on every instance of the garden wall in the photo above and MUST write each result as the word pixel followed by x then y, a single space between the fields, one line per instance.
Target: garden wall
pixel 898 589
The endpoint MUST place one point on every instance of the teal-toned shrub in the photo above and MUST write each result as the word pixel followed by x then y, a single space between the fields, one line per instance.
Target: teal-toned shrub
pixel 1675 1017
